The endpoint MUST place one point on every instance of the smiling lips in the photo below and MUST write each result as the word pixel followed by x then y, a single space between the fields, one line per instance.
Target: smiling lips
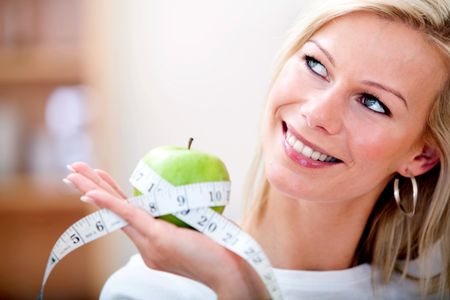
pixel 307 151
pixel 303 154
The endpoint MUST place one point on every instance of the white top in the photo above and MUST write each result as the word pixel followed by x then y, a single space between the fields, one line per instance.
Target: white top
pixel 136 281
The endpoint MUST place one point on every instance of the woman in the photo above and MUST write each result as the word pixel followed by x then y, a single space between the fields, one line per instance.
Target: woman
pixel 357 115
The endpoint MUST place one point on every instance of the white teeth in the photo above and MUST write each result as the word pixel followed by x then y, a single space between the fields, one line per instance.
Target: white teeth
pixel 298 146
pixel 291 140
pixel 315 155
pixel 305 150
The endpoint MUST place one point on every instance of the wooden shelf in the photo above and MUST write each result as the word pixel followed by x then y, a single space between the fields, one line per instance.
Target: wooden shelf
pixel 41 48
pixel 40 64
pixel 27 239
pixel 28 194
pixel 34 212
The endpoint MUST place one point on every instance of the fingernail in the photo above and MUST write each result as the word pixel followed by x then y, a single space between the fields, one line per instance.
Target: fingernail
pixel 70 168
pixel 86 199
pixel 69 183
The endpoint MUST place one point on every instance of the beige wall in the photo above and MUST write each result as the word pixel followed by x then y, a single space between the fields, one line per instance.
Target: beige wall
pixel 169 70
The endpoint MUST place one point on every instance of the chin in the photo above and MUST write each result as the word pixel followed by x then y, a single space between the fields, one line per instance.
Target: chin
pixel 285 181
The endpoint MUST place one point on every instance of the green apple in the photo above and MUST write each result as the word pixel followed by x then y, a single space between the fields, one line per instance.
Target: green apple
pixel 181 166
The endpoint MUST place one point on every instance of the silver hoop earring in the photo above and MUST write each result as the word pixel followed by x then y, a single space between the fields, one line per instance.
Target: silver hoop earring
pixel 414 196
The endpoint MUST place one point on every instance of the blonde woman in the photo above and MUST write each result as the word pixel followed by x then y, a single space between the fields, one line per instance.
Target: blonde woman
pixel 352 182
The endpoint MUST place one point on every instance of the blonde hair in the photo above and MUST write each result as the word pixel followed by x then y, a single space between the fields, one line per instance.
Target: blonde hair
pixel 389 236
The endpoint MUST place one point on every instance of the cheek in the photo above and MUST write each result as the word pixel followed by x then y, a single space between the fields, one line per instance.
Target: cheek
pixel 379 148
pixel 292 84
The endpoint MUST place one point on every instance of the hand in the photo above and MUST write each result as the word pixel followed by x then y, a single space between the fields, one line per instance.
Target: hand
pixel 166 247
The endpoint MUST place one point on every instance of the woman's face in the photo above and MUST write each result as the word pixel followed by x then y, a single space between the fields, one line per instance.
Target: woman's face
pixel 348 110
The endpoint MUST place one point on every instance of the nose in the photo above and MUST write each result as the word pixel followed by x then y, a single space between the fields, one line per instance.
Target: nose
pixel 323 112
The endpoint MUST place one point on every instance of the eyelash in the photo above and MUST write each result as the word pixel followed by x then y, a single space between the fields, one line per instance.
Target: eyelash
pixel 386 112
pixel 366 95
pixel 307 59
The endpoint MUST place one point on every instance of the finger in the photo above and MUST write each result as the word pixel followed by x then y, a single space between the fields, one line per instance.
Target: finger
pixel 133 234
pixel 141 244
pixel 142 221
pixel 84 169
pixel 107 178
pixel 81 183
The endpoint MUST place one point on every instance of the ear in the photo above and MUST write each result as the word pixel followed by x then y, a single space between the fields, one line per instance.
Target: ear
pixel 421 163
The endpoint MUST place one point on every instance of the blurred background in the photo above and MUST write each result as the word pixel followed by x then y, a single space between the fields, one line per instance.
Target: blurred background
pixel 104 81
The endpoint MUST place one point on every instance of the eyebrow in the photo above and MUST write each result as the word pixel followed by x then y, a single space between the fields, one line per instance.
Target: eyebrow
pixel 327 54
pixel 367 82
pixel 387 89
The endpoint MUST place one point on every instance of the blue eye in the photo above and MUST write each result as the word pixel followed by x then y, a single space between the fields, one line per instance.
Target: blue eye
pixel 372 103
pixel 315 66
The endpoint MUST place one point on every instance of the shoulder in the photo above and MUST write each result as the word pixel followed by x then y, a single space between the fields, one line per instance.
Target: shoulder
pixel 136 281
pixel 409 285
pixel 399 287
pixel 360 282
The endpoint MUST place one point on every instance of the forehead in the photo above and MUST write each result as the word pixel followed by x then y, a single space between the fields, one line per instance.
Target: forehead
pixel 380 49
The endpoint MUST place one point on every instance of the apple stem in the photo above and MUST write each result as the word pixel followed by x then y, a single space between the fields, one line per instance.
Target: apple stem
pixel 190 143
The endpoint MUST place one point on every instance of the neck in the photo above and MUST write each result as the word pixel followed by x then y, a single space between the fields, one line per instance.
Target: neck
pixel 310 235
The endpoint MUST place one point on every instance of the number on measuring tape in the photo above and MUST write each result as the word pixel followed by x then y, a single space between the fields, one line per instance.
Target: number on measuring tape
pixel 190 203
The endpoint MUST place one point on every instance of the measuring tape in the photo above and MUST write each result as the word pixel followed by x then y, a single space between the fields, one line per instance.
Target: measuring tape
pixel 190 203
